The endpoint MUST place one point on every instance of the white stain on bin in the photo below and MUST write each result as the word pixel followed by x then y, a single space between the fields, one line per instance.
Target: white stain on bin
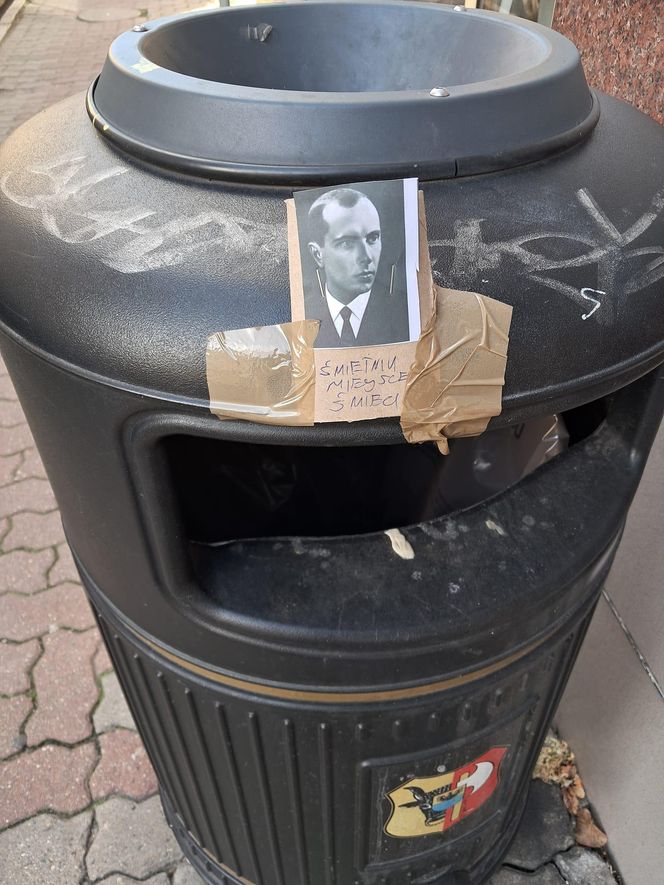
pixel 494 527
pixel 400 544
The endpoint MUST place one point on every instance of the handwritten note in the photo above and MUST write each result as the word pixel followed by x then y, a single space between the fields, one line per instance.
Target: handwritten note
pixel 355 383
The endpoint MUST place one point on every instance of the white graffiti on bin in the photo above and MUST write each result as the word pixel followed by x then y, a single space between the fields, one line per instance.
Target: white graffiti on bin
pixel 68 202
pixel 619 269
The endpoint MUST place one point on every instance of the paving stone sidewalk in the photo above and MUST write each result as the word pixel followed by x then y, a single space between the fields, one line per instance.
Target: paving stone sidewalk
pixel 78 800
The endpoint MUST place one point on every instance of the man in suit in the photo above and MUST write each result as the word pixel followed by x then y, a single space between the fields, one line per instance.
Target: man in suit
pixel 345 242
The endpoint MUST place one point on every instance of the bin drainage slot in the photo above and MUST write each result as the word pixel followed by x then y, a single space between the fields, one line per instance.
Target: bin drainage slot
pixel 229 491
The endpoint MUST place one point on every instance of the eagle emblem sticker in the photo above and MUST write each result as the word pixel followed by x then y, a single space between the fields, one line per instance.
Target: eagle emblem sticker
pixel 422 806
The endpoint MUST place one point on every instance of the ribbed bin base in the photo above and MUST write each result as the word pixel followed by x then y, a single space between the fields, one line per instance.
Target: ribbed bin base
pixel 265 791
pixel 214 873
pixel 209 869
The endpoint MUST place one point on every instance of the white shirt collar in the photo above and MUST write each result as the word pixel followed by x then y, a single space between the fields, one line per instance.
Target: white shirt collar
pixel 357 307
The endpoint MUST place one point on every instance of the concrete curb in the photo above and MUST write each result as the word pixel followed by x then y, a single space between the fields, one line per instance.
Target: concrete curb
pixel 9 16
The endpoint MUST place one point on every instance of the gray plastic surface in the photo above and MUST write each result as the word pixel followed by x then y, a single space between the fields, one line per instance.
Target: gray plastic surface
pixel 342 88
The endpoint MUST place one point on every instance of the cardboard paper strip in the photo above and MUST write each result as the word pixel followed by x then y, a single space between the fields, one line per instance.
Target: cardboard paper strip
pixel 263 374
pixel 360 383
pixel 455 383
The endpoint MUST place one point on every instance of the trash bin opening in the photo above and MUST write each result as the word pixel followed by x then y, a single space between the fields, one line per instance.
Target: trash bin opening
pixel 584 420
pixel 347 48
pixel 229 491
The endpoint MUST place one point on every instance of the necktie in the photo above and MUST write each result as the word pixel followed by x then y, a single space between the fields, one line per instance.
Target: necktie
pixel 347 334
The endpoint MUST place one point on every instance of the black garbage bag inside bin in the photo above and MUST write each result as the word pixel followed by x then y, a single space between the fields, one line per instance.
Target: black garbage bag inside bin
pixel 229 491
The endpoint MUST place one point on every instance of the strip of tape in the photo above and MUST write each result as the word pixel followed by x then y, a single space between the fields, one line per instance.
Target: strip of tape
pixel 267 374
pixel 264 373
pixel 455 384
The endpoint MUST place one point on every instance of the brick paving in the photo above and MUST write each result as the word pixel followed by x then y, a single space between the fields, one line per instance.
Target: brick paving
pixel 78 799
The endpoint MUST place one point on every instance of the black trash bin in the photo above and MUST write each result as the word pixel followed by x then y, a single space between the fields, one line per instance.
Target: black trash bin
pixel 320 708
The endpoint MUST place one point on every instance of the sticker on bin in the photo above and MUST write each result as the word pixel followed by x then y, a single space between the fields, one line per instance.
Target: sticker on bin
pixel 424 806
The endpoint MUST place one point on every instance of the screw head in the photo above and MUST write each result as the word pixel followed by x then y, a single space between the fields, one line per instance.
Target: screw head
pixel 439 92
pixel 139 28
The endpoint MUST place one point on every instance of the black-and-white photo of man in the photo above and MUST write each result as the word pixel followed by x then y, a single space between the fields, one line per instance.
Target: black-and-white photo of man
pixel 353 252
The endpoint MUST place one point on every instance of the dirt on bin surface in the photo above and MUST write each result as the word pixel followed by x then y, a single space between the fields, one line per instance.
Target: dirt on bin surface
pixel 78 797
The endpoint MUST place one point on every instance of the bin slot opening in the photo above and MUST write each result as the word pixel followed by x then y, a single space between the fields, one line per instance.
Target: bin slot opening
pixel 229 491
pixel 583 421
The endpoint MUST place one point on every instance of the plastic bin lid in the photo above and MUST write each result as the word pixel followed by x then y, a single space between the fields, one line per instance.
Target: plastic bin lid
pixel 355 88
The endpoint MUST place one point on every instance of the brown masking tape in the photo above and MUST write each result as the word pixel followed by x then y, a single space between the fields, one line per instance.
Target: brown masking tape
pixel 294 263
pixel 425 281
pixel 264 373
pixel 455 383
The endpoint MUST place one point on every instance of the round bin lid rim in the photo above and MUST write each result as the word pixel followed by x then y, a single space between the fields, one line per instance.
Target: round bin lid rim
pixel 126 52
pixel 425 170
pixel 497 120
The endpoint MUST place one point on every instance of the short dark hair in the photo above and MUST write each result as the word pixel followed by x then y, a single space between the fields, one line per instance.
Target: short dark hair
pixel 344 196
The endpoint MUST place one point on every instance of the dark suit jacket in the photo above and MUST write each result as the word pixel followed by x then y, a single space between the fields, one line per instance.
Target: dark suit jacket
pixel 385 319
